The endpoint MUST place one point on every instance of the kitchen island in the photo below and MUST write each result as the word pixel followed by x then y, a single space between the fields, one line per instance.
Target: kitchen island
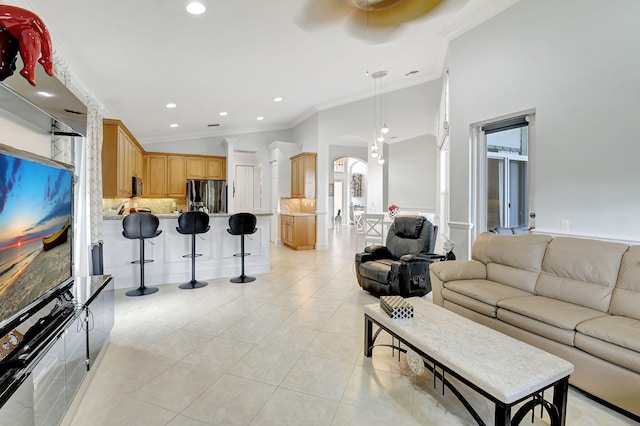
pixel 167 250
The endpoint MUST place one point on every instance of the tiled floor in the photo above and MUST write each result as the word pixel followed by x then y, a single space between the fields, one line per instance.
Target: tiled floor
pixel 283 350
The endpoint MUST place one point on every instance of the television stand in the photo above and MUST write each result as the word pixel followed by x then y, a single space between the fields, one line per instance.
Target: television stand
pixel 55 353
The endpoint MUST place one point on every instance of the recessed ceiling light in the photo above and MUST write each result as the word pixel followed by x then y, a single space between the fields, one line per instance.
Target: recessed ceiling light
pixel 173 125
pixel 278 99
pixel 196 8
pixel 260 118
pixel 45 94
pixel 223 113
pixel 171 105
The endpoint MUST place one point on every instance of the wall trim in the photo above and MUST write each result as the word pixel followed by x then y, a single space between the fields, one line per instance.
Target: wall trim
pixel 601 237
pixel 467 226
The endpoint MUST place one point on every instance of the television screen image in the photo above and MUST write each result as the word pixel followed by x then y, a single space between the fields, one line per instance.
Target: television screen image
pixel 36 203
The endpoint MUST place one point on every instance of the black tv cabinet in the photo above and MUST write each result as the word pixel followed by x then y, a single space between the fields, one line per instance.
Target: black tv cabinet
pixel 40 379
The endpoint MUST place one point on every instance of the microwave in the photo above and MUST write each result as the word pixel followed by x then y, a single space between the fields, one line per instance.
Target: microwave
pixel 137 187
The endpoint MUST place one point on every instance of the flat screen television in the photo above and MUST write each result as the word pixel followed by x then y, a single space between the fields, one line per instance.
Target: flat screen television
pixel 36 217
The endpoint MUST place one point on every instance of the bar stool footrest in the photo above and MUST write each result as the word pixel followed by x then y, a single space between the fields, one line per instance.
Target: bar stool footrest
pixel 137 262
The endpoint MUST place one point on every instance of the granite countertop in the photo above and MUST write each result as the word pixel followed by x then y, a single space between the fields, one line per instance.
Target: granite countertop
pixel 175 215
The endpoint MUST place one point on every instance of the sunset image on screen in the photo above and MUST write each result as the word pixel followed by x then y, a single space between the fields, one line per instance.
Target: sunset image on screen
pixel 35 215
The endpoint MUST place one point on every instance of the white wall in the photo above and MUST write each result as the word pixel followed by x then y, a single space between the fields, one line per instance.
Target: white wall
pixel 576 62
pixel 19 134
pixel 412 174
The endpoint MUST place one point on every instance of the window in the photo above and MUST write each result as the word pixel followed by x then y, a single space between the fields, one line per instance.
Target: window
pixel 507 193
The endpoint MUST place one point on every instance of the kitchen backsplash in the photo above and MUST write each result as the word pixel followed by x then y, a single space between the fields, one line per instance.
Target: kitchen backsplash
pixel 298 205
pixel 157 205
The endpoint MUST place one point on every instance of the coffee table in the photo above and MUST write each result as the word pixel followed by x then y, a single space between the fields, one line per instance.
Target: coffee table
pixel 502 369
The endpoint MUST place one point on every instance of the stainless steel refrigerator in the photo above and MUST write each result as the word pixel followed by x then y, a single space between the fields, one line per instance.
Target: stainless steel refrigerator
pixel 207 195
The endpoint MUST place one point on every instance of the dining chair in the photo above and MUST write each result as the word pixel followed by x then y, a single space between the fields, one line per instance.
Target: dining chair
pixel 373 228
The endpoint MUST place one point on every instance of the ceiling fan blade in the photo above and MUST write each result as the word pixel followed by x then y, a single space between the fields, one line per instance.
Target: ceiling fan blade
pixel 317 13
pixel 395 15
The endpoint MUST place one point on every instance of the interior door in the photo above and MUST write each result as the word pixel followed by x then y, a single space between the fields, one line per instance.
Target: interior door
pixel 243 197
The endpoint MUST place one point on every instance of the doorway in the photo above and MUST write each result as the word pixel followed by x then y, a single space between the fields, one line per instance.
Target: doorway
pixel 243 189
pixel 349 188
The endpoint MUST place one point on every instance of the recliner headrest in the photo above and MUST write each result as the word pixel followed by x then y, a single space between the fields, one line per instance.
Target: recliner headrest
pixel 408 226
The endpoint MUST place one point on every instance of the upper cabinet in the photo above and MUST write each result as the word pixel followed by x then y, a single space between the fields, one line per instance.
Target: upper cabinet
pixel 195 168
pixel 216 168
pixel 303 175
pixel 177 176
pixel 121 159
pixel 156 177
pixel 163 174
pixel 205 167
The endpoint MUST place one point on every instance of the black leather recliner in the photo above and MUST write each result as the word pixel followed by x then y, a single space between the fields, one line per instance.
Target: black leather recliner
pixel 402 266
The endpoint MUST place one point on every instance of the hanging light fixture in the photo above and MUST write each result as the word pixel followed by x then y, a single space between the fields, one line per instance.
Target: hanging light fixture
pixel 379 130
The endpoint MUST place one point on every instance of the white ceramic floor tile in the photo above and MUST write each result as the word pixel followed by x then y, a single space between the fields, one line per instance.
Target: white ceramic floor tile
pixel 266 364
pixel 286 349
pixel 177 387
pixel 230 401
pixel 219 354
pixel 287 407
pixel 319 377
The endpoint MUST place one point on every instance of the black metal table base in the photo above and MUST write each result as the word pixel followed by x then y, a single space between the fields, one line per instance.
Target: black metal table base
pixel 557 410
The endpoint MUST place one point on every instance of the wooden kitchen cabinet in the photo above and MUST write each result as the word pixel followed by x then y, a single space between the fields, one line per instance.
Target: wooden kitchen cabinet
pixel 303 175
pixel 121 159
pixel 195 168
pixel 156 176
pixel 162 174
pixel 177 176
pixel 298 232
pixel 216 168
pixel 205 167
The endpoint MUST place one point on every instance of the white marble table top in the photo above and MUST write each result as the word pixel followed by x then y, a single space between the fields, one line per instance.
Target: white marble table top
pixel 504 367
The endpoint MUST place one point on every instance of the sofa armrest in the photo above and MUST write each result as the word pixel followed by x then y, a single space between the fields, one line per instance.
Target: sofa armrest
pixel 453 270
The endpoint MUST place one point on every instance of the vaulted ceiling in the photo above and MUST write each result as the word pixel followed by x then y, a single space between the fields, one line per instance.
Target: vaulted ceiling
pixel 237 57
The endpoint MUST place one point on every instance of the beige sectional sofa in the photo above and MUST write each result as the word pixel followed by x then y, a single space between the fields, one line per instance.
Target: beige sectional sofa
pixel 576 298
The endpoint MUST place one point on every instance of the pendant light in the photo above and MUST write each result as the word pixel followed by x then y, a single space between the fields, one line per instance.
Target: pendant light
pixel 378 130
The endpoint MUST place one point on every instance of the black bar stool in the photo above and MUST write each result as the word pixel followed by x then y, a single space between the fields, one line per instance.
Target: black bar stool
pixel 242 224
pixel 141 226
pixel 193 223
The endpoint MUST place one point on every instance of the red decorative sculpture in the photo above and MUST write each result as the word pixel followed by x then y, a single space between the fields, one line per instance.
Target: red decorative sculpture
pixel 23 30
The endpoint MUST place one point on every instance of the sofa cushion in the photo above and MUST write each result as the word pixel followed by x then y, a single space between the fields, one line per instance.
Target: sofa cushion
pixel 513 277
pixel 626 294
pixel 554 313
pixel 470 303
pixel 613 338
pixel 620 331
pixel 485 291
pixel 580 271
pixel 551 332
pixel 518 251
